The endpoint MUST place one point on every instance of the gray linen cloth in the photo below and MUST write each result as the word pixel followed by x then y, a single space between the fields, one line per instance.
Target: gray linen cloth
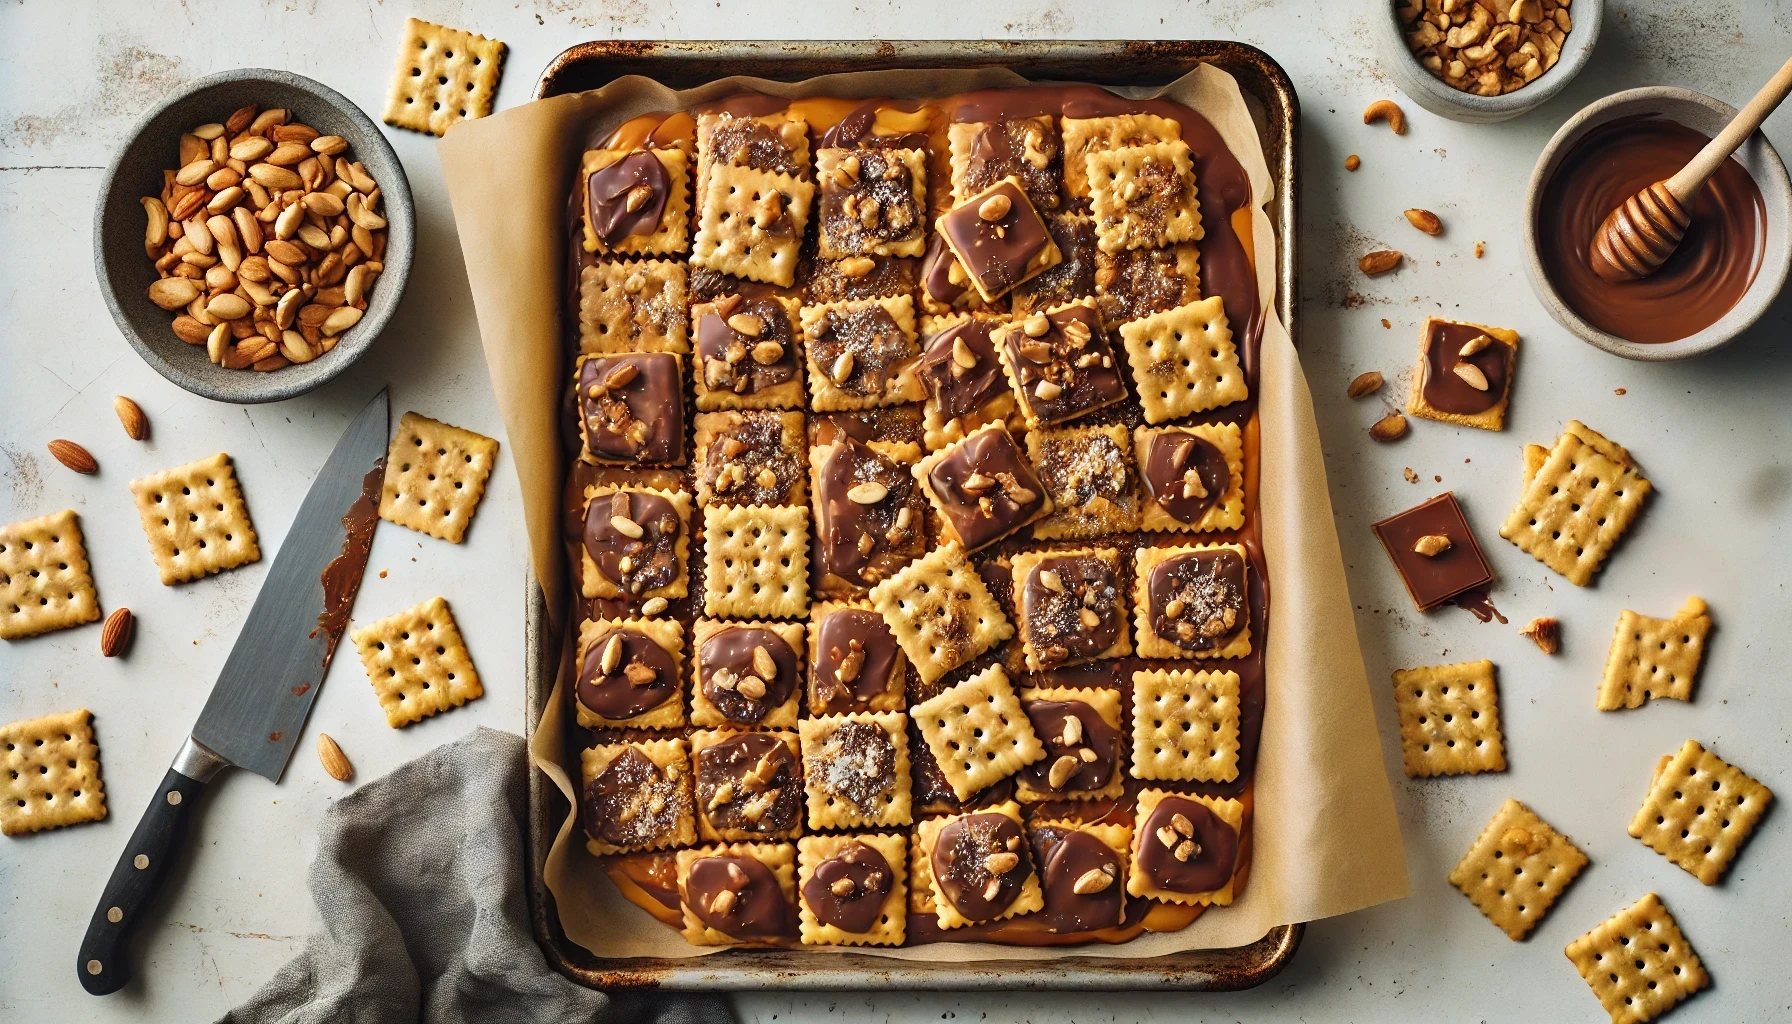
pixel 419 878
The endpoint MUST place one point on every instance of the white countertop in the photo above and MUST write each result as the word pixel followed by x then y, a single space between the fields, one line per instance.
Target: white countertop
pixel 1708 434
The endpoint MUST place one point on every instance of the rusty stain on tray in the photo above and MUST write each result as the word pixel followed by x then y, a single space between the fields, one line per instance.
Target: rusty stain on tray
pixel 1275 109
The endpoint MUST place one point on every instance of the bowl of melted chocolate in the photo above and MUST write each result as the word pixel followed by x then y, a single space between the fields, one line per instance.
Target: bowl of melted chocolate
pixel 1725 273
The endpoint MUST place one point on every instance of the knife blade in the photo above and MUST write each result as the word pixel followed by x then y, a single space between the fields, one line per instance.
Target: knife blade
pixel 258 706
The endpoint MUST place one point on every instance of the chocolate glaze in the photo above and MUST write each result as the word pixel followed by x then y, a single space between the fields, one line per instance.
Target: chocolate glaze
pixel 633 802
pixel 750 782
pixel 997 253
pixel 936 272
pixel 341 578
pixel 995 455
pixel 1434 579
pixel 883 180
pixel 1136 283
pixel 1072 354
pixel 619 696
pixel 857 130
pixel 1095 734
pixel 1208 868
pixel 855 660
pixel 1211 585
pixel 653 557
pixel 1443 388
pixel 1165 464
pixel 961 863
pixel 1073 277
pixel 1707 274
pixel 1065 855
pixel 847 890
pixel 641 421
pixel 727 656
pixel 878 345
pixel 1000 151
pixel 729 358
pixel 607 197
pixel 958 390
pixel 894 424
pixel 888 277
pixel 754 440
pixel 1058 621
pixel 863 543
pixel 758 910
pixel 739 138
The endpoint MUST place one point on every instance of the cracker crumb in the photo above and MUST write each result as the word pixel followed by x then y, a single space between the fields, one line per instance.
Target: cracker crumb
pixel 1411 477
pixel 1617 391
pixel 1480 249
pixel 1385 325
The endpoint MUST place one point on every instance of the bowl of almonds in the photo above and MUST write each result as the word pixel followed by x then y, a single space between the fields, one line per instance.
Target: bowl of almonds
pixel 254 236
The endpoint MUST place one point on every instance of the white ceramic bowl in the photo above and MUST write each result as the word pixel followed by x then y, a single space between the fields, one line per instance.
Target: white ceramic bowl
pixel 1708 116
pixel 1432 93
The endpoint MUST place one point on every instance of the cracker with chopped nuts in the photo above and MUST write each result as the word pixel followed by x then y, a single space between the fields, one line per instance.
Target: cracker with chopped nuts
pixel 862 353
pixel 650 805
pixel 856 771
pixel 1464 373
pixel 776 143
pixel 1184 361
pixel 1517 869
pixel 966 385
pixel 1109 878
pixel 1699 812
pixel 763 689
pixel 869 516
pixel 631 199
pixel 1088 473
pixel 779 859
pixel 614 656
pixel 756 561
pixel 1138 882
pixel 1205 612
pixel 1059 363
pixel 1185 725
pixel 1026 149
pixel 631 408
pixel 854 660
pixel 983 487
pixel 1143 197
pixel 1074 759
pixel 890 925
pixel 860 277
pixel 1069 608
pixel 1134 283
pixel 1449 719
pixel 1193 477
pixel 50 773
pixel 741 793
pixel 633 307
pixel 1654 657
pixel 636 544
pixel 1027 899
pixel 45 582
pixel 750 223
pixel 749 457
pixel 747 353
pixel 873 202
pixel 1085 135
pixel 977 732
pixel 1072 278
pixel 1578 504
pixel 1638 963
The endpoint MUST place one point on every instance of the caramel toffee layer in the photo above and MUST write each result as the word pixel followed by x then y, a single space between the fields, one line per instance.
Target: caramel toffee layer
pixel 628 197
pixel 1185 473
pixel 1446 389
pixel 746 672
pixel 639 803
pixel 1198 599
pixel 847 890
pixel 855 660
pixel 1438 570
pixel 986 487
pixel 980 863
pixel 750 783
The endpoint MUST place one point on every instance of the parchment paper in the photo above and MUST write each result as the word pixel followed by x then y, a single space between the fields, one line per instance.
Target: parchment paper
pixel 1325 836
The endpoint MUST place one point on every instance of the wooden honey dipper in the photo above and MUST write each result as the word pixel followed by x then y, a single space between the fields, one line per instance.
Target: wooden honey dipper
pixel 1638 237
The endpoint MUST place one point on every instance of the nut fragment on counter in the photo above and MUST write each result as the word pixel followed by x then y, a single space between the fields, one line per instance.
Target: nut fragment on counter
pixel 1365 384
pixel 1425 221
pixel 1486 47
pixel 1389 111
pixel 1352 162
pixel 1545 632
pixel 1391 427
pixel 1380 261
pixel 268 239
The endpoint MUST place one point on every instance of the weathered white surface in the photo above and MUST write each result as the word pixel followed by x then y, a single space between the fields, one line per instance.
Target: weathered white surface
pixel 1708 433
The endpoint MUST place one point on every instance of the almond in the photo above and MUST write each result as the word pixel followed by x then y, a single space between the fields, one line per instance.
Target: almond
pixel 1389 428
pixel 1380 261
pixel 869 492
pixel 334 760
pixel 1473 345
pixel 115 638
pixel 131 415
pixel 1431 545
pixel 1471 375
pixel 1092 881
pixel 764 665
pixel 994 208
pixel 1425 221
pixel 73 456
pixel 1366 384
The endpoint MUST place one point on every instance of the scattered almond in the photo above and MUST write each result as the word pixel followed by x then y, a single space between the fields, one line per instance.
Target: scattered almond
pixel 655 605
pixel 1366 384
pixel 115 637
pixel 1411 477
pixel 1546 633
pixel 764 664
pixel 73 456
pixel 1389 428
pixel 1380 261
pixel 1425 221
pixel 335 762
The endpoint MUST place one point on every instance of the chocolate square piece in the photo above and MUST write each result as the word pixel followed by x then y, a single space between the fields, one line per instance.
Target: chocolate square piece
pixel 855 663
pixel 747 354
pixel 1059 364
pixel 1073 278
pixel 749 785
pixel 1068 607
pixel 984 487
pixel 1464 374
pixel 1451 568
pixel 1087 472
pixel 1136 283
pixel 966 385
pixel 749 457
pixel 631 409
pixel 862 353
pixel 873 202
pixel 637 203
pixel 868 517
pixel 998 238
pixel 1025 149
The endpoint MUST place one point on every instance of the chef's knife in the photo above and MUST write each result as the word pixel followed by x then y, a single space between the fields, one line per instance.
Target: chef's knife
pixel 258 705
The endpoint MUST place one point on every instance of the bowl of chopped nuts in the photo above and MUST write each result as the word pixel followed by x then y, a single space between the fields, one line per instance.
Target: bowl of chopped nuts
pixel 1482 61
pixel 254 236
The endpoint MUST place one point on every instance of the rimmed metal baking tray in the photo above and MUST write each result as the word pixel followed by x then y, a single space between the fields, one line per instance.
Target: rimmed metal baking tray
pixel 1269 94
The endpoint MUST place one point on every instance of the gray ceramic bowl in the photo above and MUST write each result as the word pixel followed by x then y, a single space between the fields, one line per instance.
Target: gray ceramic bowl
pixel 1701 112
pixel 1432 93
pixel 125 273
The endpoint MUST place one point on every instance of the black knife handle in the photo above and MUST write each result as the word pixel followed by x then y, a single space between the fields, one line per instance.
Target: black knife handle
pixel 138 876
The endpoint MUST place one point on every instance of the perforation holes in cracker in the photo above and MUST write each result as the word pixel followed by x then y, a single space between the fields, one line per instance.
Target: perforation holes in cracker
pixel 1185 725
pixel 756 561
pixel 1183 360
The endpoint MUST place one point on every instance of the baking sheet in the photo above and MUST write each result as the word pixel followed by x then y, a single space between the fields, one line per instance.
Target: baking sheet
pixel 1320 765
